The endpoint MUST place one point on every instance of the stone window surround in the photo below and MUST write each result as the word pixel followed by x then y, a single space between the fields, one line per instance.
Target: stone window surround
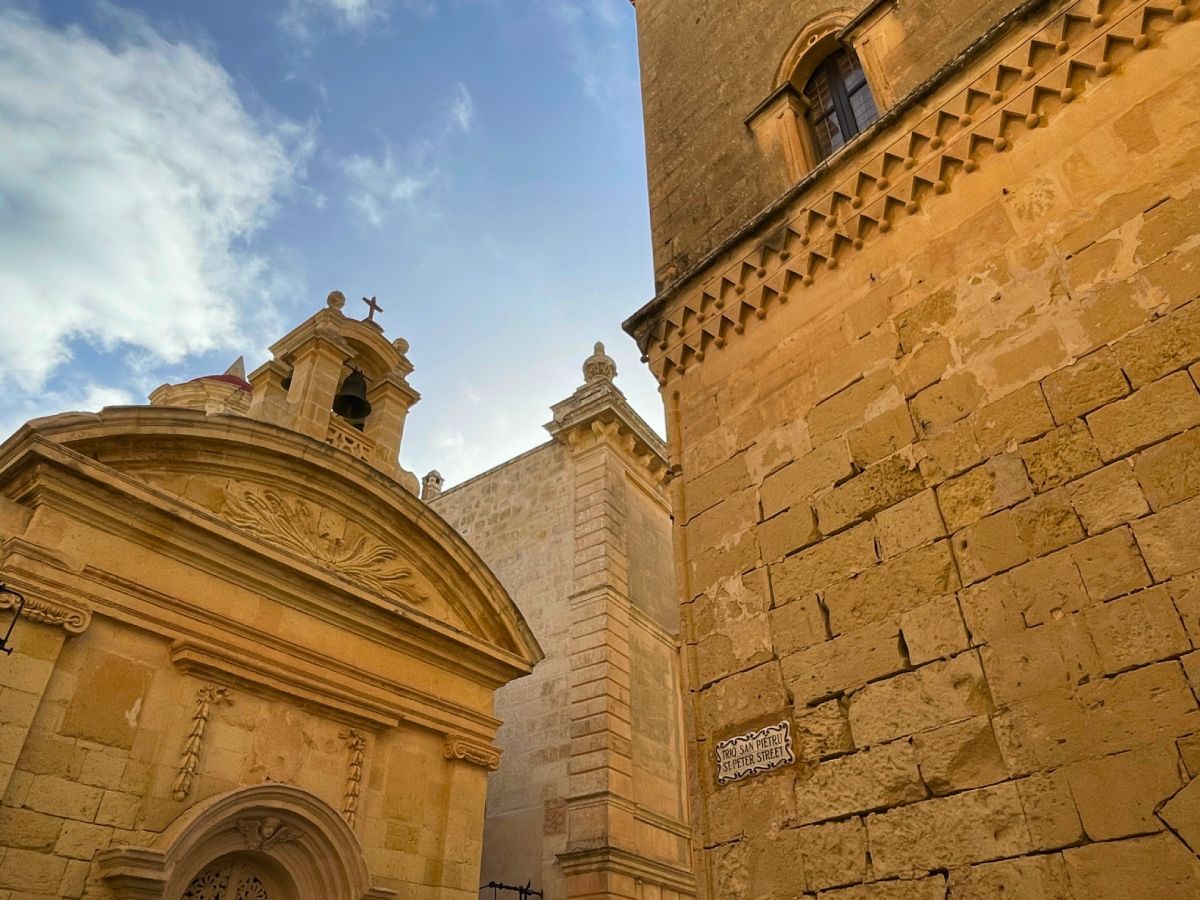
pixel 781 119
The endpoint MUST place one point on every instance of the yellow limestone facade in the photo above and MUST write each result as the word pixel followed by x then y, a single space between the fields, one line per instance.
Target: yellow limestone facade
pixel 252 663
pixel 934 428
pixel 590 800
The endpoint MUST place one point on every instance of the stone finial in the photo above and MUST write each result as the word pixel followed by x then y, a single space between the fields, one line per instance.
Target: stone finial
pixel 599 366
pixel 336 300
pixel 238 369
pixel 431 485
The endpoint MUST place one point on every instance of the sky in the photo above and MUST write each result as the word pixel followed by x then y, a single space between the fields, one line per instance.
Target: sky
pixel 183 182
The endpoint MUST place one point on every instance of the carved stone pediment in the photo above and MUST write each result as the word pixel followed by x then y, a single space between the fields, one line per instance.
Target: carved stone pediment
pixel 323 538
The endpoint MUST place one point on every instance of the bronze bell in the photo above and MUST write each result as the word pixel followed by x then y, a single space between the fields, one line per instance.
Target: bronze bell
pixel 351 400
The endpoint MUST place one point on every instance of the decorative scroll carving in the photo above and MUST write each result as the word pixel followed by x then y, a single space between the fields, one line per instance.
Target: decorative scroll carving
pixel 1071 53
pixel 295 525
pixel 46 612
pixel 206 699
pixel 472 752
pixel 357 743
pixel 264 833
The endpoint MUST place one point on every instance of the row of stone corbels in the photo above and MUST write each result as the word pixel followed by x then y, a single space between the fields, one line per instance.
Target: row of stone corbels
pixel 1070 53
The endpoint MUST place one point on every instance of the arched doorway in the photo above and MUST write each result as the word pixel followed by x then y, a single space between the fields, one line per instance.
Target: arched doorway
pixel 266 842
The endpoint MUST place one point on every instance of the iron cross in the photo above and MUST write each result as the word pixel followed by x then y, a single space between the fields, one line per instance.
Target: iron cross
pixel 373 307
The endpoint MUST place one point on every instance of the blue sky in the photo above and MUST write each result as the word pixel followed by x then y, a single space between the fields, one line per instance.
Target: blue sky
pixel 182 182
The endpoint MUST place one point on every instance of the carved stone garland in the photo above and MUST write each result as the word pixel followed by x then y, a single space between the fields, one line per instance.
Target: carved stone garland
pixel 357 743
pixel 206 698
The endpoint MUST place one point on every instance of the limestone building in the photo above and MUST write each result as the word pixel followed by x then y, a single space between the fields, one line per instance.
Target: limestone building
pixel 927 332
pixel 242 635
pixel 590 800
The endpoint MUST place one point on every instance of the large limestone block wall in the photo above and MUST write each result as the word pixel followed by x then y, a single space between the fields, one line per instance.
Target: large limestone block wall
pixel 519 518
pixel 708 64
pixel 941 509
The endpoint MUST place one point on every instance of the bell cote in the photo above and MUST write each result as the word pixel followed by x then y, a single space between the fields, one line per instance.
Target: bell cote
pixel 334 378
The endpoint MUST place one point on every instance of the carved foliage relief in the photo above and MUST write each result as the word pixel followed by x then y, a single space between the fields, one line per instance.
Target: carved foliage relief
pixel 324 538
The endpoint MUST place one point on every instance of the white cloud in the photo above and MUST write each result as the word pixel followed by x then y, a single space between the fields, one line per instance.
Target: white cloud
pixel 462 109
pixel 301 17
pixel 131 176
pixel 377 185
pixel 600 54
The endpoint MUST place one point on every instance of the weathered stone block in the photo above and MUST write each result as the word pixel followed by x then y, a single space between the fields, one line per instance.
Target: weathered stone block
pixel 1112 313
pixel 1087 385
pixel 1138 629
pixel 924 366
pixel 830 561
pixel 82 840
pixel 998 483
pixel 1174 276
pixel 1061 456
pixel 29 830
pixel 731 627
pixel 1020 416
pixel 707 490
pixel 1156 866
pixel 834 854
pixel 863 356
pixel 988 824
pixel 922 322
pixel 720 526
pixel 1186 594
pixel 1108 497
pixel 822 731
pixel 858 403
pixel 881 436
pixel 1050 810
pixel 949 452
pixel 845 662
pixel 1117 795
pixel 708 567
pixel 933 630
pixel 1110 564
pixel 1163 346
pixel 932 887
pixel 959 756
pixel 1170 540
pixel 909 524
pixel 989 546
pixel 1047 522
pixel 946 402
pixel 870 779
pixel 37 875
pixel 743 696
pixel 791 530
pixel 61 797
pixel 1146 417
pixel 776 866
pixel 1170 472
pixel 797 625
pixel 820 468
pixel 931 696
pixel 108 697
pixel 890 588
pixel 1027 878
pixel 1182 814
pixel 879 487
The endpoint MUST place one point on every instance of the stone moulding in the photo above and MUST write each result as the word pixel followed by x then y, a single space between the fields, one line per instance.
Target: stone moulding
pixel 47 601
pixel 469 751
pixel 632 865
pixel 294 524
pixel 1071 52
pixel 357 743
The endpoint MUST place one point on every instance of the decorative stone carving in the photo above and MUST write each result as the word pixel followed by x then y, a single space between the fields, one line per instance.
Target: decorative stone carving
pixel 45 612
pixel 206 698
pixel 357 743
pixel 265 832
pixel 431 485
pixel 295 525
pixel 458 747
pixel 599 366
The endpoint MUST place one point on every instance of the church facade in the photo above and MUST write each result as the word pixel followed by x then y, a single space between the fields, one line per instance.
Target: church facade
pixel 927 329
pixel 251 663
pixel 591 800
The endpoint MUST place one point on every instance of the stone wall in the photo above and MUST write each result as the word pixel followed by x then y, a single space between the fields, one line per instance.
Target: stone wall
pixel 939 495
pixel 519 518
pixel 707 174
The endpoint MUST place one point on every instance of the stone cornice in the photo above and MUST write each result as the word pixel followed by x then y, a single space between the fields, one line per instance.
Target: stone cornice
pixel 598 412
pixel 633 865
pixel 477 753
pixel 874 192
pixel 48 600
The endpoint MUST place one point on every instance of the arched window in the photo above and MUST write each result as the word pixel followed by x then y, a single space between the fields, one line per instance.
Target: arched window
pixel 839 100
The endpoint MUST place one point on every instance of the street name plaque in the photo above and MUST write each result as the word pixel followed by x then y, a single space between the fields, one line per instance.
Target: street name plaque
pixel 751 754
